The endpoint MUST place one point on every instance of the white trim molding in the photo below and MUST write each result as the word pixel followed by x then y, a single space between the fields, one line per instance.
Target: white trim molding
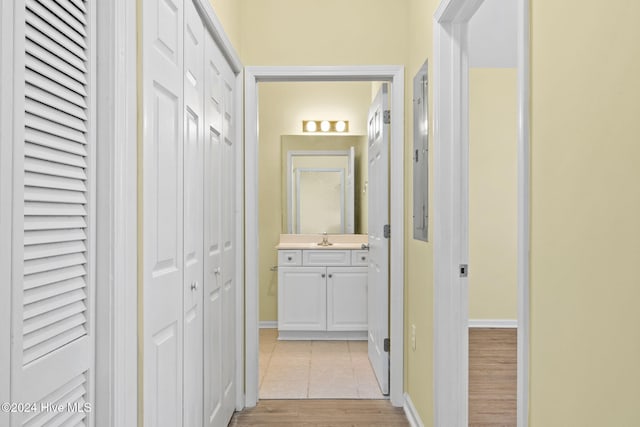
pixel 268 324
pixel 411 412
pixel 117 308
pixel 388 73
pixel 524 206
pixel 493 323
pixel 451 323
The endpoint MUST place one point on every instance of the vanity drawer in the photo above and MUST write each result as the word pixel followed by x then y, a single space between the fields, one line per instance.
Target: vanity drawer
pixel 326 257
pixel 360 258
pixel 289 257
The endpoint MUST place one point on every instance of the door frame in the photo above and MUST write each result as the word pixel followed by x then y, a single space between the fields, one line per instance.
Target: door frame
pixel 389 73
pixel 451 117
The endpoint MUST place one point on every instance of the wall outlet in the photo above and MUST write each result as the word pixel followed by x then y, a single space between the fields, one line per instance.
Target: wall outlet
pixel 413 337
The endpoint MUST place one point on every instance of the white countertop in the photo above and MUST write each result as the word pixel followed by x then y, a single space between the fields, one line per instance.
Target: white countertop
pixel 310 241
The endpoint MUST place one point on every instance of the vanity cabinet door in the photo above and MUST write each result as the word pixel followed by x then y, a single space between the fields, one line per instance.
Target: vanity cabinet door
pixel 347 298
pixel 302 298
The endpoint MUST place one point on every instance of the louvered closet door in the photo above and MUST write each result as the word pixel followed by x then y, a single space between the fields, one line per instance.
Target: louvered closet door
pixel 53 355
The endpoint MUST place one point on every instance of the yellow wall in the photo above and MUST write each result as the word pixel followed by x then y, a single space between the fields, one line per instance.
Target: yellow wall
pixel 585 334
pixel 418 367
pixel 493 140
pixel 228 13
pixel 281 109
pixel 327 32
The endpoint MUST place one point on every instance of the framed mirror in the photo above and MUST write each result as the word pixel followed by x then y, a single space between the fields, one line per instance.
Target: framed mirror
pixel 324 184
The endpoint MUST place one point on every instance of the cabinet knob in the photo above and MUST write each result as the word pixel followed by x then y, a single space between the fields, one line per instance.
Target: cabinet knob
pixel 194 286
pixel 322 275
pixel 330 276
pixel 364 258
pixel 289 258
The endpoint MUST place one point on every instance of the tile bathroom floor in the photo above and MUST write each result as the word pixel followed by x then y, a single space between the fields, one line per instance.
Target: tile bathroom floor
pixel 315 369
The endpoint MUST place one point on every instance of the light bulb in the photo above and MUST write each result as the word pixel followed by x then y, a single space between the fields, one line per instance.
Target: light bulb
pixel 341 126
pixel 311 126
pixel 325 126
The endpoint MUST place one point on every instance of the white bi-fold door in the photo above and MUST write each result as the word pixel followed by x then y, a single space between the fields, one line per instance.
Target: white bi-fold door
pixel 189 228
pixel 193 208
pixel 220 283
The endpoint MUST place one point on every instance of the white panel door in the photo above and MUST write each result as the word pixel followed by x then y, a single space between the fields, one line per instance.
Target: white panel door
pixel 213 104
pixel 219 234
pixel 193 409
pixel 53 284
pixel 228 233
pixel 378 295
pixel 162 239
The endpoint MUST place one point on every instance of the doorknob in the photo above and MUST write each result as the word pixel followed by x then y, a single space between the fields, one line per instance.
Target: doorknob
pixel 194 286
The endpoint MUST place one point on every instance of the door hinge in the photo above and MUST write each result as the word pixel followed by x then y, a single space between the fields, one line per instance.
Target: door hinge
pixel 464 270
pixel 386 117
pixel 386 344
pixel 386 231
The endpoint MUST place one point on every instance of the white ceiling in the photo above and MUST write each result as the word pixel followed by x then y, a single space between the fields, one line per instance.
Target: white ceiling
pixel 493 35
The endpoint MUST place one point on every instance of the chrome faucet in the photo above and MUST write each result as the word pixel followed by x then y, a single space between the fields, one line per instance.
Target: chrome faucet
pixel 325 240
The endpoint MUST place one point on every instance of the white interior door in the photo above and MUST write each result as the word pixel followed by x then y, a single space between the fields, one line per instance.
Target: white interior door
pixel 378 204
pixel 162 191
pixel 219 232
pixel 193 409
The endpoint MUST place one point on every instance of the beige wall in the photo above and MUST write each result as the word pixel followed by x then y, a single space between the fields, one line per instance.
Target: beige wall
pixel 419 255
pixel 585 339
pixel 281 109
pixel 493 140
pixel 228 13
pixel 328 32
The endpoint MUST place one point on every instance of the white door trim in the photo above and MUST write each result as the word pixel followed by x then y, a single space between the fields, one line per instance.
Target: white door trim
pixel 393 74
pixel 450 234
pixel 117 216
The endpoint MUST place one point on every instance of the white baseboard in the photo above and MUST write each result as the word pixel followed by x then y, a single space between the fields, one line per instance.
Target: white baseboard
pixel 493 323
pixel 268 324
pixel 411 412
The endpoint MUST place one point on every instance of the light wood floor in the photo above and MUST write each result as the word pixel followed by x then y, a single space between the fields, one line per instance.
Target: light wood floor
pixel 492 395
pixel 321 413
pixel 492 377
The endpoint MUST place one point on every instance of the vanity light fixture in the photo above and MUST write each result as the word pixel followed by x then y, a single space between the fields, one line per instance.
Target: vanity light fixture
pixel 325 126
